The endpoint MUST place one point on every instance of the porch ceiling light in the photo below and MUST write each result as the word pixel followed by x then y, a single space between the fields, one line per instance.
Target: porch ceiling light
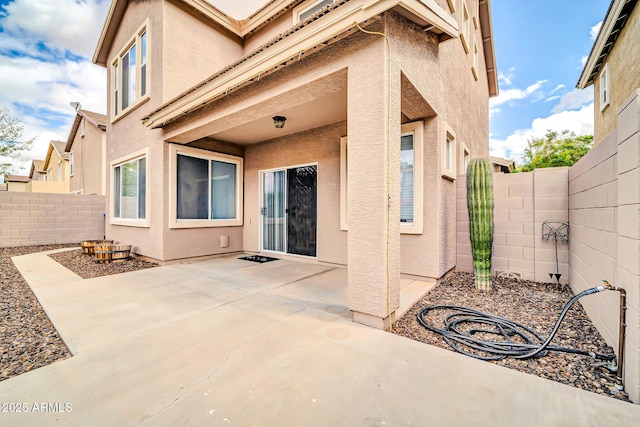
pixel 278 121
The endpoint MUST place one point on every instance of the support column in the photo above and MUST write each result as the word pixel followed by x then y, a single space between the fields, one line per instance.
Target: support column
pixel 373 207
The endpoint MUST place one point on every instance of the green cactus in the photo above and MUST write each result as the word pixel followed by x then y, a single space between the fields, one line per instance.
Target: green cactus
pixel 480 203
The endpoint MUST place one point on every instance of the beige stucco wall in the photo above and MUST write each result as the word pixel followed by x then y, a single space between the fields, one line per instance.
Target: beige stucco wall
pixel 193 49
pixel 39 218
pixel 88 161
pixel 127 135
pixel 624 72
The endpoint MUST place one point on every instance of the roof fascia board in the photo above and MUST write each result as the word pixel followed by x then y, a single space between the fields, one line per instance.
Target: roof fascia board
pixel 74 131
pixel 314 34
pixel 216 15
pixel 106 36
pixel 486 29
pixel 605 31
pixel 250 24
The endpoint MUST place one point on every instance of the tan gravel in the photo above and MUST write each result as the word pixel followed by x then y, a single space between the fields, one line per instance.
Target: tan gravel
pixel 536 305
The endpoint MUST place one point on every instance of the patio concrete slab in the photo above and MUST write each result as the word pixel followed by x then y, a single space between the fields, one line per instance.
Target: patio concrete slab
pixel 152 354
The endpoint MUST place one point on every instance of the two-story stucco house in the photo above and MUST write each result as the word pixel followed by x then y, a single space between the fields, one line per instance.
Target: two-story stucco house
pixel 86 147
pixel 330 131
pixel 613 66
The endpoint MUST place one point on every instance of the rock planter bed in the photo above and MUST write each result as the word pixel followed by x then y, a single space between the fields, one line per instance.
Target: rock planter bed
pixel 87 267
pixel 536 305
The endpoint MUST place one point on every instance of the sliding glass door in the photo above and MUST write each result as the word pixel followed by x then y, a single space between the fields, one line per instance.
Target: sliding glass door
pixel 289 210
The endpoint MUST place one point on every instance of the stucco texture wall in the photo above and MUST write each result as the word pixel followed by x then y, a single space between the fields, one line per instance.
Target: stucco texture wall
pixel 321 146
pixel 193 49
pixel 624 72
pixel 126 134
pixel 88 167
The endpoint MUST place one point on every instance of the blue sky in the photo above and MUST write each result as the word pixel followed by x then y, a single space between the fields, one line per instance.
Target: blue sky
pixel 46 48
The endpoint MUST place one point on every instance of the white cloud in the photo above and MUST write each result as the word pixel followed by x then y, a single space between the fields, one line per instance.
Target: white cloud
pixel 574 99
pixel 595 30
pixel 63 24
pixel 45 52
pixel 506 79
pixel 512 147
pixel 510 95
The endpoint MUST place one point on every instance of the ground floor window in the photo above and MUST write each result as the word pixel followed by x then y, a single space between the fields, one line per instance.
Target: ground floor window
pixel 130 189
pixel 411 179
pixel 207 188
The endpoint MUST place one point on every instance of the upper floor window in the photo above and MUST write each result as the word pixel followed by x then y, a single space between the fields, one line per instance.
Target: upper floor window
pixel 605 92
pixel 302 13
pixel 464 33
pixel 70 164
pixel 129 71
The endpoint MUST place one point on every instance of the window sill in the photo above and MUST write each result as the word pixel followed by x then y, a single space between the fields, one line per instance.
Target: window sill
pixel 196 223
pixel 130 108
pixel 449 176
pixel 141 223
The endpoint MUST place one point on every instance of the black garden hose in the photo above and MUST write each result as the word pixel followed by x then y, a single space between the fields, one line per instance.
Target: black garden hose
pixel 534 345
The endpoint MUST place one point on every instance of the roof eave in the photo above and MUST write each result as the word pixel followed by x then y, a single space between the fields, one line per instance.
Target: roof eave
pixel 486 29
pixel 116 10
pixel 287 50
pixel 596 57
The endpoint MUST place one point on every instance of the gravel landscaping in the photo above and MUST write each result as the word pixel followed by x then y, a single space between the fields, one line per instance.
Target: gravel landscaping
pixel 87 267
pixel 536 305
pixel 28 340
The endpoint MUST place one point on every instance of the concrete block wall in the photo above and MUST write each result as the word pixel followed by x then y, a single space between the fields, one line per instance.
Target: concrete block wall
pixel 604 203
pixel 44 218
pixel 522 202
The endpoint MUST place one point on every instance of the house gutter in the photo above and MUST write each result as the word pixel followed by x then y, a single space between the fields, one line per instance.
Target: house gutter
pixel 325 28
pixel 614 21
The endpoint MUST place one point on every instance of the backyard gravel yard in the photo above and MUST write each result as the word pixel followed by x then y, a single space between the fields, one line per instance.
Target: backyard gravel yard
pixel 28 340
pixel 535 305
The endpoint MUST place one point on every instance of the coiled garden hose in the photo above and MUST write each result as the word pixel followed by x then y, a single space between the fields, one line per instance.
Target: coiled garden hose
pixel 533 346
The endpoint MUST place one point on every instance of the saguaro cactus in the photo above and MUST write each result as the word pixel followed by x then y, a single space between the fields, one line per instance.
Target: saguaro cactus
pixel 480 203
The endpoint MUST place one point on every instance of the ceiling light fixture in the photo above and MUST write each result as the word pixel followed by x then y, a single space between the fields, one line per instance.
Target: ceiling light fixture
pixel 278 121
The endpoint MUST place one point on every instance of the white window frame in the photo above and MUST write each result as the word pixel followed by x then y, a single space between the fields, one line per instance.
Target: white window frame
pixel 70 164
pixel 174 222
pixel 448 155
pixel 415 227
pixel 60 171
pixel 116 110
pixel 605 87
pixel 304 8
pixel 131 222
pixel 465 158
pixel 465 26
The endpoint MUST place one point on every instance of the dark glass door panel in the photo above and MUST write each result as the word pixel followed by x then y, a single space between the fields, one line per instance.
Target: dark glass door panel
pixel 302 208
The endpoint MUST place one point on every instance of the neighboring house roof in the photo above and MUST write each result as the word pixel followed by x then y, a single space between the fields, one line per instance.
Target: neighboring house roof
pixel 503 163
pixel 36 166
pixel 615 20
pixel 58 146
pixel 17 178
pixel 209 90
pixel 96 119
